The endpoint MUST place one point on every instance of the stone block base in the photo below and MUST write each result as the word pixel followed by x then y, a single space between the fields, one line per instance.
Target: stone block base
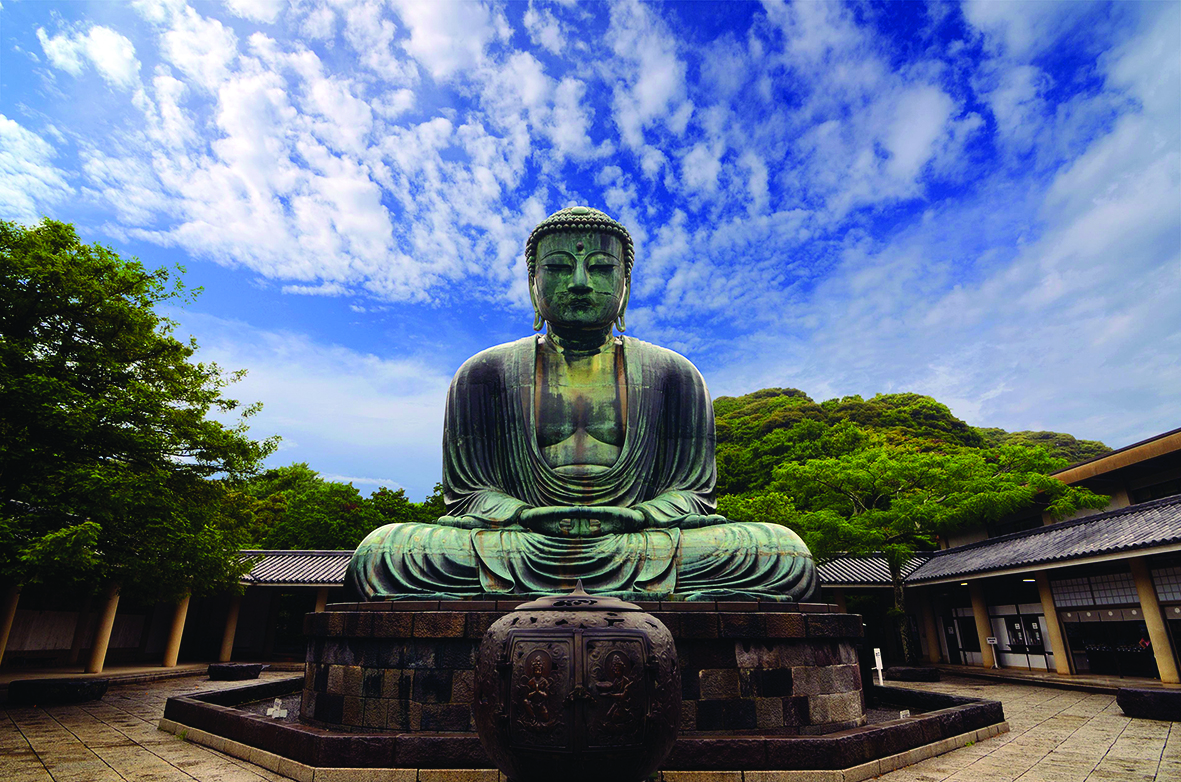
pixel 1150 704
pixel 42 692
pixel 746 667
pixel 234 672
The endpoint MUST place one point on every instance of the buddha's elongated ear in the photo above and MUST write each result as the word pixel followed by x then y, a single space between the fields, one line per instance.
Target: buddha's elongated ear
pixel 538 321
pixel 619 323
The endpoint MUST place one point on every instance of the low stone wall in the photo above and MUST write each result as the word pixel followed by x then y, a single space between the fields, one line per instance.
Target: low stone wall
pixel 747 667
pixel 302 751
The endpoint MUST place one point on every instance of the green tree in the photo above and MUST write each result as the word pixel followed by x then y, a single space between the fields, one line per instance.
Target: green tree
pixel 114 464
pixel 295 508
pixel 896 500
pixel 329 515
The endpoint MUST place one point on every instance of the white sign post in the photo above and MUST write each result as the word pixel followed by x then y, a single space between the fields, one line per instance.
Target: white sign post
pixel 877 658
pixel 992 642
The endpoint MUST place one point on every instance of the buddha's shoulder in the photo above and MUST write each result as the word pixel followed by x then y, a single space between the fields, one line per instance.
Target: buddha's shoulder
pixel 491 362
pixel 662 358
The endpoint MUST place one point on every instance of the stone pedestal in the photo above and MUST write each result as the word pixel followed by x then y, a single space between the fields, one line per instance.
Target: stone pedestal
pixel 746 668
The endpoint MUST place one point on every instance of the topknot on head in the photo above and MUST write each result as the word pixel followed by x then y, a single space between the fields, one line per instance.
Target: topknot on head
pixel 579 218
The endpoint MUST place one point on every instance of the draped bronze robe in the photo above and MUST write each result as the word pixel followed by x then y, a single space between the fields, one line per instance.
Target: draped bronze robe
pixel 493 468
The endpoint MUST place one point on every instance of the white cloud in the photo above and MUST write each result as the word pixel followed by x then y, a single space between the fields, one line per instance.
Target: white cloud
pixel 202 48
pixel 1020 30
pixel 920 121
pixel 544 29
pixel 700 168
pixel 267 11
pixel 371 37
pixel 853 106
pixel 30 184
pixel 649 78
pixel 111 54
pixel 347 412
pixel 449 36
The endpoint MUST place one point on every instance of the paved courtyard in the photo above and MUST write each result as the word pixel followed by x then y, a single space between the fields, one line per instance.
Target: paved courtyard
pixel 1056 736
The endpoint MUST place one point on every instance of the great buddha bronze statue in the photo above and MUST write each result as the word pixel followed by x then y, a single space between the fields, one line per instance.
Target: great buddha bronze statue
pixel 578 454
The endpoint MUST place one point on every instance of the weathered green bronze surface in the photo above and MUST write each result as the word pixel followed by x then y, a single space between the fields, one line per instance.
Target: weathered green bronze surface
pixel 580 454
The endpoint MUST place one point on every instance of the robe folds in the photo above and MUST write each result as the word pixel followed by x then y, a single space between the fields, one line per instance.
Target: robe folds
pixel 493 468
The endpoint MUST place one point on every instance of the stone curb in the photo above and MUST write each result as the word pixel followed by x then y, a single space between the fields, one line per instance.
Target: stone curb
pixel 304 773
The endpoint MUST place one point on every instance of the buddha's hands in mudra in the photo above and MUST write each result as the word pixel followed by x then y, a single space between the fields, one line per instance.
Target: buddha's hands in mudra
pixel 584 521
pixel 581 521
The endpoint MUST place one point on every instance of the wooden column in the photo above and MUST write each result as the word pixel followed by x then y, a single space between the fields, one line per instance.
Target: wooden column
pixel 176 632
pixel 12 598
pixel 983 626
pixel 102 634
pixel 227 638
pixel 1053 626
pixel 1158 632
pixel 321 599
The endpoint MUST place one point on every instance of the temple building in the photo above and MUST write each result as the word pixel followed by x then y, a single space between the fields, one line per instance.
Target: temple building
pixel 1099 593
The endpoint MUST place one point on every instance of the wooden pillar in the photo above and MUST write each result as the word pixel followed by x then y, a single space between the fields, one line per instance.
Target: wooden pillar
pixel 102 634
pixel 983 626
pixel 321 599
pixel 227 638
pixel 1158 632
pixel 1053 626
pixel 838 597
pixel 934 653
pixel 176 632
pixel 11 599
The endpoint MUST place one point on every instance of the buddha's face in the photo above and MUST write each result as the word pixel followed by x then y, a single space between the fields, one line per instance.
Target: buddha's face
pixel 580 280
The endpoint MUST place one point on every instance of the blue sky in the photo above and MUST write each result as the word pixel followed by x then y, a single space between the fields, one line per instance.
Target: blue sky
pixel 977 201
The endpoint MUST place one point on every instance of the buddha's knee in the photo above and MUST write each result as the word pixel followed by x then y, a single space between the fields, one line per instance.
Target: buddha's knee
pixel 783 538
pixel 748 535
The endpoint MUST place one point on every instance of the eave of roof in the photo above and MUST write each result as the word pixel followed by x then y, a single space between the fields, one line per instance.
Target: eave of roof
pixel 1133 528
pixel 1157 445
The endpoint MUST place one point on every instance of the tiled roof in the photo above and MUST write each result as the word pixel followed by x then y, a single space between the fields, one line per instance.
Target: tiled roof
pixel 310 568
pixel 1140 526
pixel 863 571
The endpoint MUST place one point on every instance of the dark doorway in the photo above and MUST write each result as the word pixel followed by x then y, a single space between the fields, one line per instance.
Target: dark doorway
pixel 953 642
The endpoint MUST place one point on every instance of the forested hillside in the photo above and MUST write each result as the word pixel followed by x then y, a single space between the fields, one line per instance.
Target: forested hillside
pixel 763 429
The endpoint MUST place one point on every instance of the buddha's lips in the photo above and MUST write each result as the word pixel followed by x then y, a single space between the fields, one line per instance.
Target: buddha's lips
pixel 576 302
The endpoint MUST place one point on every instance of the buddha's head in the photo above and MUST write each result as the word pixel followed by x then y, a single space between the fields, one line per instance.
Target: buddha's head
pixel 579 270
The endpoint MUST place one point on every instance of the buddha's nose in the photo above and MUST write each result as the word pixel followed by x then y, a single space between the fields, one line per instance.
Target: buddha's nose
pixel 580 283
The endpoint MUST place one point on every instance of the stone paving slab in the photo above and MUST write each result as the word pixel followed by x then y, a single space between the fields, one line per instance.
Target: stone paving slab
pixel 1055 736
